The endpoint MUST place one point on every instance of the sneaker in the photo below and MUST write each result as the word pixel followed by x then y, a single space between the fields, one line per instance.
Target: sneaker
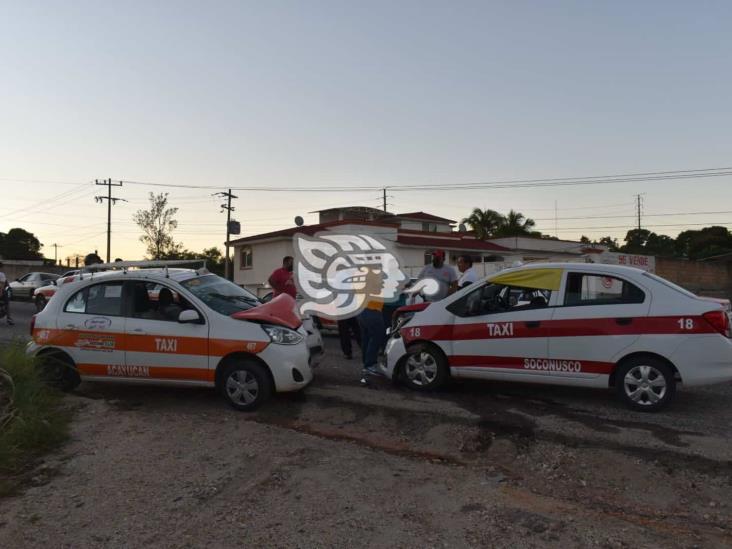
pixel 363 381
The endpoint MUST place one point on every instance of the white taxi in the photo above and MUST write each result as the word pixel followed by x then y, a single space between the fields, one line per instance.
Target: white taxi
pixel 587 325
pixel 180 326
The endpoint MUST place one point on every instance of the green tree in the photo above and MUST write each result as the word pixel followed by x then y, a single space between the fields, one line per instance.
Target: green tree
pixel 516 224
pixel 213 256
pixel 485 223
pixel 703 243
pixel 158 224
pixel 20 244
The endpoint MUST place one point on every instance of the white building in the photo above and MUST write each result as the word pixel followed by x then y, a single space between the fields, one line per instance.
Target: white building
pixel 414 235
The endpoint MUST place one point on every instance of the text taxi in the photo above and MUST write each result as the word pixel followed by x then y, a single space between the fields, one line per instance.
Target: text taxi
pixel 570 324
pixel 199 330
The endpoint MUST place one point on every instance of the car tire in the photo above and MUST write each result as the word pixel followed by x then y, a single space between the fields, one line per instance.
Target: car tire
pixel 245 385
pixel 424 368
pixel 59 371
pixel 646 384
pixel 40 303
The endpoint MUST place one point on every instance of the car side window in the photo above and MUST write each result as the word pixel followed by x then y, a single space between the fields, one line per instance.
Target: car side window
pixel 100 299
pixel 497 298
pixel 24 278
pixel 593 289
pixel 153 301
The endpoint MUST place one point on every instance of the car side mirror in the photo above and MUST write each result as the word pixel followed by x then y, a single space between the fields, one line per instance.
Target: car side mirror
pixel 188 316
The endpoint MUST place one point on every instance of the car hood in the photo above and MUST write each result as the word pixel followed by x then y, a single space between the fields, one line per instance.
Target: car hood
pixel 281 311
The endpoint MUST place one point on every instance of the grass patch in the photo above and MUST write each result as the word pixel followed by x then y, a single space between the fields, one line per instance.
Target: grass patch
pixel 32 418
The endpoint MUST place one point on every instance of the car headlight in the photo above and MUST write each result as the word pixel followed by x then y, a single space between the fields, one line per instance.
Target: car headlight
pixel 282 335
pixel 401 321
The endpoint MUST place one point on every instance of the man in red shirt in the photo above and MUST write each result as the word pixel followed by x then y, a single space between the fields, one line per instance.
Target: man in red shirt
pixel 281 279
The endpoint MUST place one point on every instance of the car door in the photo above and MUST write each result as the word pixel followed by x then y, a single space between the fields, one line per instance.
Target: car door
pixel 598 316
pixel 495 337
pixel 91 328
pixel 158 346
pixel 26 285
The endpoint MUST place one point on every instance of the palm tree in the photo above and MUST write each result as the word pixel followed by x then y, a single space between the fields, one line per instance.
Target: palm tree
pixel 485 223
pixel 516 224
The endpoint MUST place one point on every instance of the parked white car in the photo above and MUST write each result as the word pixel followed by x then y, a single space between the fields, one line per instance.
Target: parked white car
pixel 201 330
pixel 589 325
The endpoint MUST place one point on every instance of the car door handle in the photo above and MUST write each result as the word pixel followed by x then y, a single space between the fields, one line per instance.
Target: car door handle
pixel 139 331
pixel 70 327
pixel 532 324
pixel 623 321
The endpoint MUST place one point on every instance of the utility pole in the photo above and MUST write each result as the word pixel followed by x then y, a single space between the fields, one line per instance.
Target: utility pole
pixel 229 208
pixel 639 202
pixel 384 199
pixel 55 253
pixel 110 201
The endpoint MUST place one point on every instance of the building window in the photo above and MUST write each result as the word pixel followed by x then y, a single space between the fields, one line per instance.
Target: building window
pixel 246 257
pixel 429 227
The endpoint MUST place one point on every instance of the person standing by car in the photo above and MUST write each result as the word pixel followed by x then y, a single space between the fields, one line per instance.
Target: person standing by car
pixel 5 294
pixel 281 279
pixel 373 329
pixel 467 273
pixel 443 274
pixel 347 328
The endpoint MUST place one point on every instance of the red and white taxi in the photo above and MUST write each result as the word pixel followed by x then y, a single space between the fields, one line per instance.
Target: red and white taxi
pixel 588 325
pixel 201 330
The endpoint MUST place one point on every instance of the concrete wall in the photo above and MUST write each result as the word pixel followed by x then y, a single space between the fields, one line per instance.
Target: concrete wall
pixel 700 277
pixel 14 269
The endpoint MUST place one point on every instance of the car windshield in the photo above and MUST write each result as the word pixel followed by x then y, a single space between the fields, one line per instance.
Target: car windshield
pixel 221 295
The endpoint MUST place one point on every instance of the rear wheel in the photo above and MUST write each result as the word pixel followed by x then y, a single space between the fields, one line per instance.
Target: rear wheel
pixel 645 384
pixel 40 302
pixel 245 385
pixel 424 368
pixel 59 371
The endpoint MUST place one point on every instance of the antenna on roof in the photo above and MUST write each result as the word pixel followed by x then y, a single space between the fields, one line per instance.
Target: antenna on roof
pixel 462 228
pixel 299 221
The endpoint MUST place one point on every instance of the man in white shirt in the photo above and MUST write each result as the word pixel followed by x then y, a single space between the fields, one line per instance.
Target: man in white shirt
pixel 4 287
pixel 467 273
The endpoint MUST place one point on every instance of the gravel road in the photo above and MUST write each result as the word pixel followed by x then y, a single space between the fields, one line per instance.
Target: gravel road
pixel 479 464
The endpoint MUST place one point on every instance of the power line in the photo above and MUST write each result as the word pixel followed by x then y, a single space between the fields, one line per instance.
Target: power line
pixel 510 183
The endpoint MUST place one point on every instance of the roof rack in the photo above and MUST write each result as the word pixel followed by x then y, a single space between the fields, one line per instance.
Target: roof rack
pixel 156 263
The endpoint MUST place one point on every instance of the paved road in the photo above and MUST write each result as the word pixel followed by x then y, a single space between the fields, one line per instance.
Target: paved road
pixel 477 464
pixel 21 311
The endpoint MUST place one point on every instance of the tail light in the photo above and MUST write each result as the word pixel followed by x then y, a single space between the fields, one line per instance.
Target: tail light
pixel 32 324
pixel 719 321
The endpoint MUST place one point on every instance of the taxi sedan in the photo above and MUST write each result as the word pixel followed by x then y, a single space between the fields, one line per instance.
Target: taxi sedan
pixel 578 324
pixel 174 326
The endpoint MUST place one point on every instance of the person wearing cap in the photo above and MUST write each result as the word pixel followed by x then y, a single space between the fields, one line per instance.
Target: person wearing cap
pixel 444 275
pixel 5 294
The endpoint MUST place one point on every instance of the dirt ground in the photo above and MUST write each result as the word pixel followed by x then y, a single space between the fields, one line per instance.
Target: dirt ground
pixel 479 464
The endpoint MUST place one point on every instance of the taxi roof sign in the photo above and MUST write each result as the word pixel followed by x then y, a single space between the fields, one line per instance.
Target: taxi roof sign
pixel 539 279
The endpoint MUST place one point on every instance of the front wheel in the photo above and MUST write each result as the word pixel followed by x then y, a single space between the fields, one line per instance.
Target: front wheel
pixel 424 368
pixel 40 303
pixel 645 384
pixel 245 385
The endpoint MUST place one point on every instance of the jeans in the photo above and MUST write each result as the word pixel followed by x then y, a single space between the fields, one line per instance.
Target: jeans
pixel 347 327
pixel 373 335
pixel 6 299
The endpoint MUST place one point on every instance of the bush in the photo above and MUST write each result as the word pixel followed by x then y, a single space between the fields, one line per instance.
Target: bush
pixel 32 418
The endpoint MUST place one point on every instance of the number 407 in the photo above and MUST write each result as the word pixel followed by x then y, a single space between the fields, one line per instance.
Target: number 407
pixel 686 323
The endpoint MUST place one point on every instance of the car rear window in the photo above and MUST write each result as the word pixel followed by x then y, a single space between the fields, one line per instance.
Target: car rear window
pixel 594 289
pixel 100 299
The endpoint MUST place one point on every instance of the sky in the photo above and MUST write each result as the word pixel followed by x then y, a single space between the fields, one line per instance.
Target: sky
pixel 345 94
